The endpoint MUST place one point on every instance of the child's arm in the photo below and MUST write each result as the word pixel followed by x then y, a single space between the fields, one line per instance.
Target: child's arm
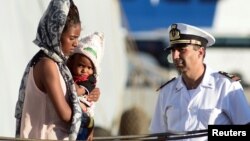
pixel 80 90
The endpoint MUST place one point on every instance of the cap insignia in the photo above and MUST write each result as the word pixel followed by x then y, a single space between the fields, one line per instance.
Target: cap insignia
pixel 174 32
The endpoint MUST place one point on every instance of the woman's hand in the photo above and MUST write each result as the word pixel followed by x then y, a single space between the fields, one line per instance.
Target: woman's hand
pixel 94 95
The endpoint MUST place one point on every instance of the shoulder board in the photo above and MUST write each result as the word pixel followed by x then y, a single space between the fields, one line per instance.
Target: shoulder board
pixel 165 84
pixel 230 76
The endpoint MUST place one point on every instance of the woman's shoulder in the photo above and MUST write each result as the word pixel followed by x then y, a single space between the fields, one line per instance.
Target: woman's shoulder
pixel 46 65
pixel 46 61
pixel 45 70
pixel 45 73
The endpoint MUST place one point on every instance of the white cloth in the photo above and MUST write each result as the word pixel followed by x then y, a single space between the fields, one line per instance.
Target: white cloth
pixel 217 100
pixel 90 105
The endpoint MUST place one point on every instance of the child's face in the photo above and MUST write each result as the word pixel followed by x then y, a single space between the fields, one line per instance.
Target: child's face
pixel 82 65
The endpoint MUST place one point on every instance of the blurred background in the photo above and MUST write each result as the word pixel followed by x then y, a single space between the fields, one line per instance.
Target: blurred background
pixel 134 63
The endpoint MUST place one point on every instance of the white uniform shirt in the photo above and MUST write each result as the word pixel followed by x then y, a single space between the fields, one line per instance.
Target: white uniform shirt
pixel 217 100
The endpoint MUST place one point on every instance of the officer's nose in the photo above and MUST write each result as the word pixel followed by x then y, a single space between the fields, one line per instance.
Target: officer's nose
pixel 175 53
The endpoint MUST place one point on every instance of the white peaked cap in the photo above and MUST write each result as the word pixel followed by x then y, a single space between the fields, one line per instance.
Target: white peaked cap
pixel 92 46
pixel 184 33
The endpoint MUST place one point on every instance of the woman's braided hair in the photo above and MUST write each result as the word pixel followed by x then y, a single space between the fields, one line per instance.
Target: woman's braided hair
pixel 73 17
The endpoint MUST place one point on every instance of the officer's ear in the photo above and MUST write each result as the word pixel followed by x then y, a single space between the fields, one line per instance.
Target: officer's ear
pixel 202 51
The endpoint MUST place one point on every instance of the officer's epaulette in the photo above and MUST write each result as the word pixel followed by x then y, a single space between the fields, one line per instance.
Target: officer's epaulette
pixel 165 84
pixel 230 76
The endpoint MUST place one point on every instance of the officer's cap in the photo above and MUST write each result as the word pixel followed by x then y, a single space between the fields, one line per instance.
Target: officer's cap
pixel 180 33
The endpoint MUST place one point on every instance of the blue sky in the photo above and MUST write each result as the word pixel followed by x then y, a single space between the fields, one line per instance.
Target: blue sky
pixel 146 15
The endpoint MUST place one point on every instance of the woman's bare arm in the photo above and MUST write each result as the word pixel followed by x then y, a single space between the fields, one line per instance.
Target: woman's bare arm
pixel 47 79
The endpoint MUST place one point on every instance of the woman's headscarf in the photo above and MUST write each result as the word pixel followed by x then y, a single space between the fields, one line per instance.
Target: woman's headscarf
pixel 48 36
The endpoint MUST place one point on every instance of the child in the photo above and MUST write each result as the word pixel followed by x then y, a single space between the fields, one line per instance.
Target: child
pixel 84 66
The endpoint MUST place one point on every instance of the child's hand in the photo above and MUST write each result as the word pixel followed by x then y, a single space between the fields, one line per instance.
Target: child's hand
pixel 84 100
pixel 94 95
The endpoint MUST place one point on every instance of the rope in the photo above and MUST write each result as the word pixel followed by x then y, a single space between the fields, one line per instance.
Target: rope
pixel 159 136
pixel 148 137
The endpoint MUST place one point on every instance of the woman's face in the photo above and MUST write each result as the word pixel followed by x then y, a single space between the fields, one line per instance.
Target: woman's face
pixel 82 65
pixel 69 39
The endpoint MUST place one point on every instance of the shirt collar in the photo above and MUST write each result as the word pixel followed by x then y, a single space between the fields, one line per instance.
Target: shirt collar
pixel 207 80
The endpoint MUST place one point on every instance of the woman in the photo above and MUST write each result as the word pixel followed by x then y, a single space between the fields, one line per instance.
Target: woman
pixel 47 107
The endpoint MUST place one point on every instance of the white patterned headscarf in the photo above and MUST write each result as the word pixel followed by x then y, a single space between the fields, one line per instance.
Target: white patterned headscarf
pixel 48 39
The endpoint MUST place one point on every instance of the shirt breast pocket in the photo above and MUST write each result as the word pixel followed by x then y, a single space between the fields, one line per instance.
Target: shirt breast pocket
pixel 211 117
pixel 173 116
